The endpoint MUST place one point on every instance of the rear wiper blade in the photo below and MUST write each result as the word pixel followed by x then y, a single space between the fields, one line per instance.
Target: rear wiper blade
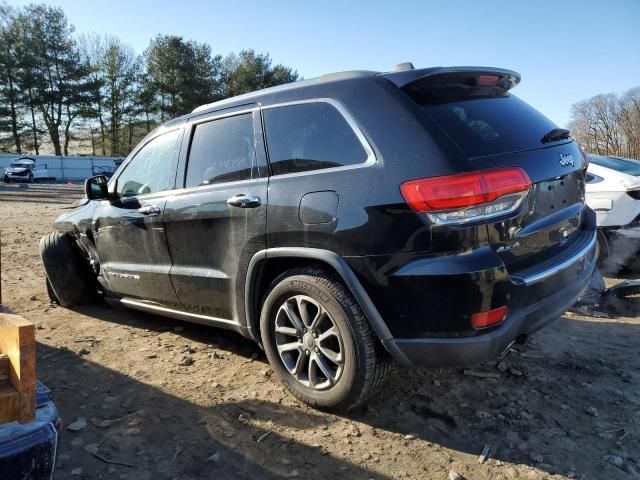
pixel 556 134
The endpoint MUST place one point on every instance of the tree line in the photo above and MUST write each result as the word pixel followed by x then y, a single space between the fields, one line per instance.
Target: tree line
pixel 56 86
pixel 608 124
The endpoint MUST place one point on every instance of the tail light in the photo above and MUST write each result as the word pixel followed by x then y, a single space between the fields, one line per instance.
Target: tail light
pixel 489 318
pixel 468 197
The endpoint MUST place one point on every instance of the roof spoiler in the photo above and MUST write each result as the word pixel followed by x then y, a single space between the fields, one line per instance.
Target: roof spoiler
pixel 507 79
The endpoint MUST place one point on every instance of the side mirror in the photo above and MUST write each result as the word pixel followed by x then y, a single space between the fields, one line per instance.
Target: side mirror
pixel 95 188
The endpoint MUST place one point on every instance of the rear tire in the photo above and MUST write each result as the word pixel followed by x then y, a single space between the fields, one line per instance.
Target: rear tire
pixel 337 371
pixel 69 281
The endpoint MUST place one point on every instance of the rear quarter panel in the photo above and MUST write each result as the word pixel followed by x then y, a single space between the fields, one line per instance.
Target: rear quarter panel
pixel 372 216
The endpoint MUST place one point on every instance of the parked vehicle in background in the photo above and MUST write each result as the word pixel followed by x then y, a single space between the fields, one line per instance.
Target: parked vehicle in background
pixel 613 191
pixel 436 228
pixel 107 170
pixel 25 169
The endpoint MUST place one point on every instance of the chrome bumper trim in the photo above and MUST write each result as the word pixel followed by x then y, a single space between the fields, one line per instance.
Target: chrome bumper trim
pixel 541 275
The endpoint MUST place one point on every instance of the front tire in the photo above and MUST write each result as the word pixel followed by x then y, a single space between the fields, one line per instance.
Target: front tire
pixel 319 342
pixel 68 277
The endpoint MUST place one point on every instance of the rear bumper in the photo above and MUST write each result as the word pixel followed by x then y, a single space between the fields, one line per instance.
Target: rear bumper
pixel 427 302
pixel 439 352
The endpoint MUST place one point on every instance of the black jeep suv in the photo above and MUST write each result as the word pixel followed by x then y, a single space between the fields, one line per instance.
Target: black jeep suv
pixel 426 215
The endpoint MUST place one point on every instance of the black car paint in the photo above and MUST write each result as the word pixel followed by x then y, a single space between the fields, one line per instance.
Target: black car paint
pixel 414 281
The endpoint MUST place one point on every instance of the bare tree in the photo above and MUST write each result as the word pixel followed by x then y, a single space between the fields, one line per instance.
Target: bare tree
pixel 608 124
pixel 92 51
pixel 629 120
pixel 115 69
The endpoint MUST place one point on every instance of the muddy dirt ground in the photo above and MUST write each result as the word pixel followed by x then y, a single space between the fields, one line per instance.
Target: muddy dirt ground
pixel 566 405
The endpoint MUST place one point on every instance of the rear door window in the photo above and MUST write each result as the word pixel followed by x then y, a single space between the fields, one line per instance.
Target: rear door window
pixel 222 150
pixel 310 136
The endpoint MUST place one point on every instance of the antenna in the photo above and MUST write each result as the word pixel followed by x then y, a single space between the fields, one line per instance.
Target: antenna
pixel 403 67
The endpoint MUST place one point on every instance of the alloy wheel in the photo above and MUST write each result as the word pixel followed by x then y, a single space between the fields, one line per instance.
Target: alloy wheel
pixel 309 342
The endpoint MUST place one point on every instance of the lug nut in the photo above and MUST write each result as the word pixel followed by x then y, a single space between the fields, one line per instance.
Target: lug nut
pixel 307 352
pixel 317 349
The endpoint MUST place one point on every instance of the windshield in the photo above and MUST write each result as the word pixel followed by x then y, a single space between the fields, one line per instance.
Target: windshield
pixel 624 165
pixel 21 164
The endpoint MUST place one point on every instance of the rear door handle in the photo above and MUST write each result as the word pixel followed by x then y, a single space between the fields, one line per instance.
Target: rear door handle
pixel 150 210
pixel 244 201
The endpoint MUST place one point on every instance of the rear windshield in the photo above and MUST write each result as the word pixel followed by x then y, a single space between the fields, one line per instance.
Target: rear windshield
pixel 630 167
pixel 490 126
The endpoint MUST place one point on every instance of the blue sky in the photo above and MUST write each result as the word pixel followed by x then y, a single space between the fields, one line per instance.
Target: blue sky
pixel 566 50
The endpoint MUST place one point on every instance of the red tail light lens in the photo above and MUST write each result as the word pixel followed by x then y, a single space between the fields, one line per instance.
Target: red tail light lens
pixel 489 318
pixel 458 194
pixel 488 79
pixel 463 190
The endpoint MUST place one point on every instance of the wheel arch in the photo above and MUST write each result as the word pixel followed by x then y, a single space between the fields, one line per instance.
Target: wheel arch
pixel 267 264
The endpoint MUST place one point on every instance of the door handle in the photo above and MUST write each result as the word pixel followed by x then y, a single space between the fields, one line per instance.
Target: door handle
pixel 244 201
pixel 150 210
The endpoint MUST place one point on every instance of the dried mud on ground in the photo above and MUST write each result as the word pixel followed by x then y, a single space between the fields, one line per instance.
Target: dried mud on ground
pixel 165 399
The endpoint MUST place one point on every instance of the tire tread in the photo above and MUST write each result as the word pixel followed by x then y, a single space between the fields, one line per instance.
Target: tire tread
pixel 376 360
pixel 66 274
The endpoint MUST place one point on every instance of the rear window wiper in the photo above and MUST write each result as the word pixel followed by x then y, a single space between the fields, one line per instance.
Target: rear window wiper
pixel 556 134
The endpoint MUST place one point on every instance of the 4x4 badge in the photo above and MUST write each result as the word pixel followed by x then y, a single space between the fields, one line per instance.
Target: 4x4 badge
pixel 508 248
pixel 566 159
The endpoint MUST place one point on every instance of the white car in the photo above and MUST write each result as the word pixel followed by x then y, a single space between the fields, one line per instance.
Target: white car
pixel 25 169
pixel 613 191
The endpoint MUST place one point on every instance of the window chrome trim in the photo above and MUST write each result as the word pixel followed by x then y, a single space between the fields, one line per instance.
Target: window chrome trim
pixel 212 186
pixel 351 122
pixel 211 116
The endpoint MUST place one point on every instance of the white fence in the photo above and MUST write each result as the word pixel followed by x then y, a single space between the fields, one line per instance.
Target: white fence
pixel 68 168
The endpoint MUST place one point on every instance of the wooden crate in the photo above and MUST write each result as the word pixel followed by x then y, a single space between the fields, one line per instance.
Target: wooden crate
pixel 17 368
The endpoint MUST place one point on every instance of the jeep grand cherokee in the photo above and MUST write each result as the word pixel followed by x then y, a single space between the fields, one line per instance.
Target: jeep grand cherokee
pixel 426 215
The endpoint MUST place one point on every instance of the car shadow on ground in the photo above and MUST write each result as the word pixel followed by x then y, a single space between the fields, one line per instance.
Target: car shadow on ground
pixel 141 432
pixel 560 404
pixel 216 337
